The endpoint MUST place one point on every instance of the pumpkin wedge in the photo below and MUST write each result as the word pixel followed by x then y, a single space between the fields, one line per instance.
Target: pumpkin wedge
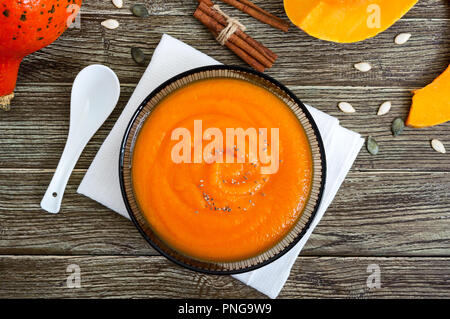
pixel 431 105
pixel 345 21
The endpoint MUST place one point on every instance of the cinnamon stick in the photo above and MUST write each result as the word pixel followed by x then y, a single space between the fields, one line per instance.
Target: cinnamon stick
pixel 206 20
pixel 209 3
pixel 251 54
pixel 254 6
pixel 203 5
pixel 256 12
pixel 260 48
pixel 245 56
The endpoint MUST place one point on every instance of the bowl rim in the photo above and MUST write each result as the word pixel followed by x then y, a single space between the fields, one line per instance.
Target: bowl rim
pixel 319 143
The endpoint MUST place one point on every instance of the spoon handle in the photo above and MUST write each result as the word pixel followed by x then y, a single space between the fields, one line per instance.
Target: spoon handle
pixel 51 202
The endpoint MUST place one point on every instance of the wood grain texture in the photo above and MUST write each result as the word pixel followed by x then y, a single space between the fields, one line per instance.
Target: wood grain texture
pixel 392 210
pixel 303 60
pixel 424 9
pixel 155 277
pixel 374 214
pixel 35 131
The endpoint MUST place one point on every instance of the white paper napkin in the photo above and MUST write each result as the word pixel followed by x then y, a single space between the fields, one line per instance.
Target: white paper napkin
pixel 172 57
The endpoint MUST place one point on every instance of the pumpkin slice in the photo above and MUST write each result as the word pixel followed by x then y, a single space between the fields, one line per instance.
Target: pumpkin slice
pixel 346 21
pixel 431 105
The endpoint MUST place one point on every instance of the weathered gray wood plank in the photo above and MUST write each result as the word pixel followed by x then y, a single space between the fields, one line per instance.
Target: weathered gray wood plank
pixel 395 204
pixel 424 9
pixel 303 60
pixel 154 277
pixel 35 131
pixel 374 213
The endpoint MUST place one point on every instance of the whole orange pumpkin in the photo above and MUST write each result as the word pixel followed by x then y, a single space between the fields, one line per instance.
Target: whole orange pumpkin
pixel 25 27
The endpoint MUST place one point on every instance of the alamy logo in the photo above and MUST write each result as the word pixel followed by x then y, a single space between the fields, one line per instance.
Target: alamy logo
pixel 374 279
pixel 374 18
pixel 74 279
pixel 241 146
pixel 74 19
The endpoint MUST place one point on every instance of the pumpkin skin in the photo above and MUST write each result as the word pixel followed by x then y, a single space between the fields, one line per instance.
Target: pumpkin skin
pixel 28 26
pixel 431 105
pixel 345 21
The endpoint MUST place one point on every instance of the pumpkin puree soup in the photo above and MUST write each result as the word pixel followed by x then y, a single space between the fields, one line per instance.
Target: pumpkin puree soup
pixel 220 210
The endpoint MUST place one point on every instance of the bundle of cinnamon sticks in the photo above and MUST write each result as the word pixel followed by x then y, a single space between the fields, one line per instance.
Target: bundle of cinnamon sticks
pixel 251 51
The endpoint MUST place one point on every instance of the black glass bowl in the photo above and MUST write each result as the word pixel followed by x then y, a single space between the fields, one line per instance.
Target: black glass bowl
pixel 318 178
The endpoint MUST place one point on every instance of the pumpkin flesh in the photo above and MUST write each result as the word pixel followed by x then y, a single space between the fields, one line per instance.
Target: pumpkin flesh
pixel 345 21
pixel 431 105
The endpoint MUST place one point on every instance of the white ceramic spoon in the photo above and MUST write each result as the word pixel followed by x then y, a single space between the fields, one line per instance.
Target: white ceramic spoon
pixel 95 93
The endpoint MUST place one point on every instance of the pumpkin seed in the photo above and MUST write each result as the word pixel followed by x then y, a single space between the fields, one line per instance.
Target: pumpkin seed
pixel 110 24
pixel 138 56
pixel 402 38
pixel 118 3
pixel 363 66
pixel 397 126
pixel 372 146
pixel 346 107
pixel 384 108
pixel 139 10
pixel 438 146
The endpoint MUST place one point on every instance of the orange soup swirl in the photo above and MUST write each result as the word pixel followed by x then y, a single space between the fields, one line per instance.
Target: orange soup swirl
pixel 213 195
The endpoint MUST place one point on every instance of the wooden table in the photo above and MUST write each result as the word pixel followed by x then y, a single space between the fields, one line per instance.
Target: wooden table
pixel 393 210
